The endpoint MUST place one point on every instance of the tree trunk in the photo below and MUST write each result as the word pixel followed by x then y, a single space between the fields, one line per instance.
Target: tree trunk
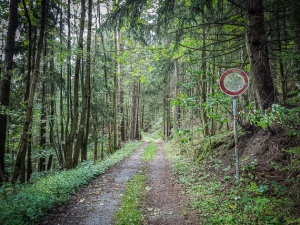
pixel 6 77
pixel 137 124
pixel 133 113
pixel 52 121
pixel 70 161
pixel 115 127
pixel 295 6
pixel 107 93
pixel 259 54
pixel 68 95
pixel 21 151
pixel 86 136
pixel 29 163
pixel 61 98
pixel 96 124
pixel 85 93
pixel 176 112
pixel 204 85
pixel 27 145
pixel 121 92
pixel 168 108
pixel 42 159
pixel 102 142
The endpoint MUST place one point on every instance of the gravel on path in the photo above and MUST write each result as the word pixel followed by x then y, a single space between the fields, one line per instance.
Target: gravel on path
pixel 166 201
pixel 97 203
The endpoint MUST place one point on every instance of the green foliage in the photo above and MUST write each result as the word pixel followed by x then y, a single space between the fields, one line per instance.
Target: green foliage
pixel 220 201
pixel 185 101
pixel 130 212
pixel 288 118
pixel 24 204
pixel 295 97
pixel 153 135
pixel 184 135
pixel 149 152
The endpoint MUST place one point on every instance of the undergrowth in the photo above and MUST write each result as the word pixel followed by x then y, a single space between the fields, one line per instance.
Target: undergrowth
pixel 130 211
pixel 220 200
pixel 26 203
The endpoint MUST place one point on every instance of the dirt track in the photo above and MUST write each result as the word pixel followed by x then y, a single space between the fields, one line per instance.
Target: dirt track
pixel 97 203
pixel 166 201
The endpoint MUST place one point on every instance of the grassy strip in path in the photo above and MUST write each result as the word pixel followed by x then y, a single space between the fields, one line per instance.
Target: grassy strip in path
pixel 150 152
pixel 131 211
pixel 25 204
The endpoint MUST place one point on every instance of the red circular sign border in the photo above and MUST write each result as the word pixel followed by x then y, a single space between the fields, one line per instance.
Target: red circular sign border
pixel 234 70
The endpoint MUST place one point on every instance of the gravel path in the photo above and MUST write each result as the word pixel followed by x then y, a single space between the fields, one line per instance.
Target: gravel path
pixel 96 203
pixel 166 202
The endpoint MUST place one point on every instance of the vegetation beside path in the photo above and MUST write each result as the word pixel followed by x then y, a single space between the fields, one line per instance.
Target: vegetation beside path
pixel 207 169
pixel 26 203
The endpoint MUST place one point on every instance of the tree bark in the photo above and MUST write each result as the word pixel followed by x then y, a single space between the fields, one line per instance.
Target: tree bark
pixel 70 162
pixel 259 54
pixel 42 159
pixel 115 125
pixel 176 112
pixel 107 93
pixel 121 92
pixel 85 92
pixel 137 124
pixel 21 152
pixel 204 85
pixel 133 113
pixel 6 77
pixel 52 122
pixel 29 163
pixel 27 145
pixel 295 6
pixel 61 136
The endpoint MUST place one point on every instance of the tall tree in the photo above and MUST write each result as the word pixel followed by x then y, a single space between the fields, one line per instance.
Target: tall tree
pixel 23 141
pixel 85 93
pixel 259 54
pixel 42 159
pixel 70 158
pixel 6 78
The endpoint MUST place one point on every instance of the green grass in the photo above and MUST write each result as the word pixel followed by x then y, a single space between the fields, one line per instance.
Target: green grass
pixel 27 203
pixel 149 152
pixel 130 212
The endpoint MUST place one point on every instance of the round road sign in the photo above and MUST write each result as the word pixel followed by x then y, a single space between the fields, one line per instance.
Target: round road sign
pixel 234 82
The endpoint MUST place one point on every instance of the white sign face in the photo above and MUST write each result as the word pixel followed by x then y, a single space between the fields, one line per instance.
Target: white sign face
pixel 234 82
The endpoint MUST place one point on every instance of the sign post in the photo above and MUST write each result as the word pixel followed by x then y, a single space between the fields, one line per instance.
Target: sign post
pixel 234 82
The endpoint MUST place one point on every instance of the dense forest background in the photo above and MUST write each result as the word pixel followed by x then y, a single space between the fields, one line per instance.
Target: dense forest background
pixel 80 78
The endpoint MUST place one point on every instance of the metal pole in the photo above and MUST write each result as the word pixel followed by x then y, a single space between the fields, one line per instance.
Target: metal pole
pixel 236 144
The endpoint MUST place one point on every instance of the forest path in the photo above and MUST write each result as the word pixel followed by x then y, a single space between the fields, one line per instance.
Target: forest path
pixel 97 203
pixel 166 201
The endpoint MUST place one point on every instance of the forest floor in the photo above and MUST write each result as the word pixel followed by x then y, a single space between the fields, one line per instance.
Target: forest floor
pixel 166 201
